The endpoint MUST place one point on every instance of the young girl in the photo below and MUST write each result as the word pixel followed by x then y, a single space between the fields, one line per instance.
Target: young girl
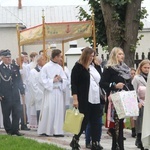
pixel 139 83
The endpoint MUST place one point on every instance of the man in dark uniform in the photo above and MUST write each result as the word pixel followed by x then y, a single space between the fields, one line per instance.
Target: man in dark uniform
pixel 10 86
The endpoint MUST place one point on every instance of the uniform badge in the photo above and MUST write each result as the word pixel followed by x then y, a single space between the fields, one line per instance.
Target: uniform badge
pixel 4 67
pixel 16 75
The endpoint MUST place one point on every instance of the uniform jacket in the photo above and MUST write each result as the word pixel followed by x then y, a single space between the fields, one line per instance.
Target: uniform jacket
pixel 10 83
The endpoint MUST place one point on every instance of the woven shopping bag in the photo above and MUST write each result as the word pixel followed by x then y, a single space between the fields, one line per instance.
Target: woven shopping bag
pixel 73 121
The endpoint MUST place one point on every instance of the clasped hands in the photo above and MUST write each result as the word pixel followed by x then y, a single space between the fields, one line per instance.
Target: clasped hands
pixel 57 78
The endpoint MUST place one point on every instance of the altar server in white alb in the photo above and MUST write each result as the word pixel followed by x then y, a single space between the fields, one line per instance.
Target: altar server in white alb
pixel 26 72
pixel 67 92
pixel 53 78
pixel 36 89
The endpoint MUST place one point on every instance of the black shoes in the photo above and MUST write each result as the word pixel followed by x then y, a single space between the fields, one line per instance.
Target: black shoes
pixel 101 146
pixel 133 134
pixel 116 147
pixel 138 142
pixel 75 144
pixel 58 135
pixel 17 133
pixel 14 133
pixel 124 138
pixel 9 133
pixel 24 127
pixel 89 146
pixel 96 146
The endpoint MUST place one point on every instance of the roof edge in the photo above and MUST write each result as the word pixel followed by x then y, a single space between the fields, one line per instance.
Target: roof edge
pixel 8 25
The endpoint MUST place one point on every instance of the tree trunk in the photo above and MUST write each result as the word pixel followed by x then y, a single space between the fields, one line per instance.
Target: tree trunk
pixel 131 30
pixel 112 26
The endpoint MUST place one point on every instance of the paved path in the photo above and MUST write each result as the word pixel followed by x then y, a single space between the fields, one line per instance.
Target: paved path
pixel 64 141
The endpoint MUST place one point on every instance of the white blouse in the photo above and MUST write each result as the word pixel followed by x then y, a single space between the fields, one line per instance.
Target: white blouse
pixel 94 95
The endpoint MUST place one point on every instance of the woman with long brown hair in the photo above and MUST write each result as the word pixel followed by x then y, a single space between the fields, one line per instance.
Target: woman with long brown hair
pixel 83 98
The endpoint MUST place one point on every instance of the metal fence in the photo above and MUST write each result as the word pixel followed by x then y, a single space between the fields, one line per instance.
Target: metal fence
pixel 137 59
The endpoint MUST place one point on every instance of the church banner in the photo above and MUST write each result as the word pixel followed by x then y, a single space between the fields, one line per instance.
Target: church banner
pixel 56 32
pixel 66 31
pixel 31 35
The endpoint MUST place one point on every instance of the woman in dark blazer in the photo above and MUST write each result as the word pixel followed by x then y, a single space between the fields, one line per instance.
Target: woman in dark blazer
pixel 115 76
pixel 80 86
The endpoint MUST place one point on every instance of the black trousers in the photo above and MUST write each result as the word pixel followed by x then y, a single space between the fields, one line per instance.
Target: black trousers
pixel 91 115
pixel 14 109
pixel 117 133
pixel 38 115
pixel 22 116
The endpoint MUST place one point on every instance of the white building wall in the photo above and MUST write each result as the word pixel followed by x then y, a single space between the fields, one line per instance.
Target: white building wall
pixel 8 40
pixel 144 43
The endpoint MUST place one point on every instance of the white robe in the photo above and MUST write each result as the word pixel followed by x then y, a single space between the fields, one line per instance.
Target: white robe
pixel 36 89
pixel 1 117
pixel 36 94
pixel 146 118
pixel 23 72
pixel 26 73
pixel 52 113
pixel 67 92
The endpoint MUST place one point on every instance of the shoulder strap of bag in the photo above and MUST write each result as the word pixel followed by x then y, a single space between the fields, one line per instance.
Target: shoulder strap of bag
pixel 94 79
pixel 126 85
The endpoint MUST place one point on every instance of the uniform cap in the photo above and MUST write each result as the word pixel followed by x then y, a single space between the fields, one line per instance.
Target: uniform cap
pixel 5 53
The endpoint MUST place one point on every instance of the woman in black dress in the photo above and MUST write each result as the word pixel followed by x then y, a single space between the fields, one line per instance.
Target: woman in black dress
pixel 115 76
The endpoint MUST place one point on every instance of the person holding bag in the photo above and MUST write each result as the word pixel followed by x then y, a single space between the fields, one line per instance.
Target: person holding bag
pixel 86 101
pixel 114 78
pixel 139 83
pixel 94 69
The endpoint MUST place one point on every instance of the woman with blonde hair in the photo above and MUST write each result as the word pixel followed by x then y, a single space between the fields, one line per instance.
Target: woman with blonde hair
pixel 139 83
pixel 115 76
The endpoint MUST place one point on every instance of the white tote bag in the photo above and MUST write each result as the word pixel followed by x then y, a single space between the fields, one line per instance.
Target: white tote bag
pixel 125 103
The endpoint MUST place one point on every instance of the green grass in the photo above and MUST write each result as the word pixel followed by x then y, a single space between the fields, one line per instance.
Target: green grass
pixel 127 123
pixel 8 142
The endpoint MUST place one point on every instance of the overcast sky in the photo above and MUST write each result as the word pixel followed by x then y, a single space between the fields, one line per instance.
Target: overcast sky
pixel 43 2
pixel 146 3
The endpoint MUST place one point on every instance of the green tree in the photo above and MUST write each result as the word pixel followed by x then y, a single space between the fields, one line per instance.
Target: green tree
pixel 117 23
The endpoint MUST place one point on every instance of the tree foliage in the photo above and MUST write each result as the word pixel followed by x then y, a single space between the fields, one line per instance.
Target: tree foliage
pixel 99 22
pixel 117 23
